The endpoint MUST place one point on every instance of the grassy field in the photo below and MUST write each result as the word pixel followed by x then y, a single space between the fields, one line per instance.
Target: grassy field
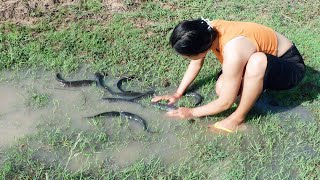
pixel 131 38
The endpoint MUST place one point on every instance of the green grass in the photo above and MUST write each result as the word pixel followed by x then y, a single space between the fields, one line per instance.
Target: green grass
pixel 135 42
pixel 37 100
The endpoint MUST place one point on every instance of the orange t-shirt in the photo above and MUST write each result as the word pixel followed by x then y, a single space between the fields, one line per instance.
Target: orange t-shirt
pixel 263 37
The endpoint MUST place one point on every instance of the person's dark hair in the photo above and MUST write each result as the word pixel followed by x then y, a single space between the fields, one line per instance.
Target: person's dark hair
pixel 192 37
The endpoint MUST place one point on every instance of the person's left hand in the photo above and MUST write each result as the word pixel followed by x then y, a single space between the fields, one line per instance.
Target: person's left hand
pixel 181 113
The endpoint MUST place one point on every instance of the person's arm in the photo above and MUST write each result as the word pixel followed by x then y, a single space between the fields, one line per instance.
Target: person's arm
pixel 190 74
pixel 232 73
pixel 235 56
pixel 235 59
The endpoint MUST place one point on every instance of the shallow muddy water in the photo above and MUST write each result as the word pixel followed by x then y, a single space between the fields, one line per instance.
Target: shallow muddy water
pixel 69 107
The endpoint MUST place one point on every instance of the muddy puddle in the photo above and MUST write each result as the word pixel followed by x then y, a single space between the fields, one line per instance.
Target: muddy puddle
pixel 35 101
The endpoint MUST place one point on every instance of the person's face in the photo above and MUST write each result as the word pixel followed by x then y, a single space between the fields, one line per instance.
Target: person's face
pixel 196 57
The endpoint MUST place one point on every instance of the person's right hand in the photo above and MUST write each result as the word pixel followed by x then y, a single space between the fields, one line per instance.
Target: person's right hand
pixel 172 98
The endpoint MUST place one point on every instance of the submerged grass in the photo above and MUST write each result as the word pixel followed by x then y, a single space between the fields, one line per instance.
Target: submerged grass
pixel 37 100
pixel 135 42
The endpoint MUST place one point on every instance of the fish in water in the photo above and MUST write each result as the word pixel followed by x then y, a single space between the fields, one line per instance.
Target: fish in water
pixel 124 114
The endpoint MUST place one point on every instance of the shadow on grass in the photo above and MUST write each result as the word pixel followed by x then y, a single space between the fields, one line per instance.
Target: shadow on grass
pixel 288 102
pixel 307 91
pixel 198 84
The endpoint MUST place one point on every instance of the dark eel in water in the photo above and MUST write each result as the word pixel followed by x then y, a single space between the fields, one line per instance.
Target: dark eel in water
pixel 163 106
pixel 123 94
pixel 120 81
pixel 78 83
pixel 124 114
pixel 129 98
pixel 198 98
pixel 158 105
pixel 166 107
pixel 99 82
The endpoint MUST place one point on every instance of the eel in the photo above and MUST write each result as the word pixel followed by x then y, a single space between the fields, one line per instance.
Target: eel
pixel 158 105
pixel 121 80
pixel 124 94
pixel 99 83
pixel 198 98
pixel 124 114
pixel 118 100
pixel 78 83
pixel 164 107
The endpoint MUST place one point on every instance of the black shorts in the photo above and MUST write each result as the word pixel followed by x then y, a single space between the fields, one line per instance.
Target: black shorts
pixel 284 72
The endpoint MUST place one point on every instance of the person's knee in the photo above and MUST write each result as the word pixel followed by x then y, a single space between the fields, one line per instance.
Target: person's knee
pixel 256 65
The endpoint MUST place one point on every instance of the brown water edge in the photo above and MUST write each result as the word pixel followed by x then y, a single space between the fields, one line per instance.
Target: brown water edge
pixel 70 106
